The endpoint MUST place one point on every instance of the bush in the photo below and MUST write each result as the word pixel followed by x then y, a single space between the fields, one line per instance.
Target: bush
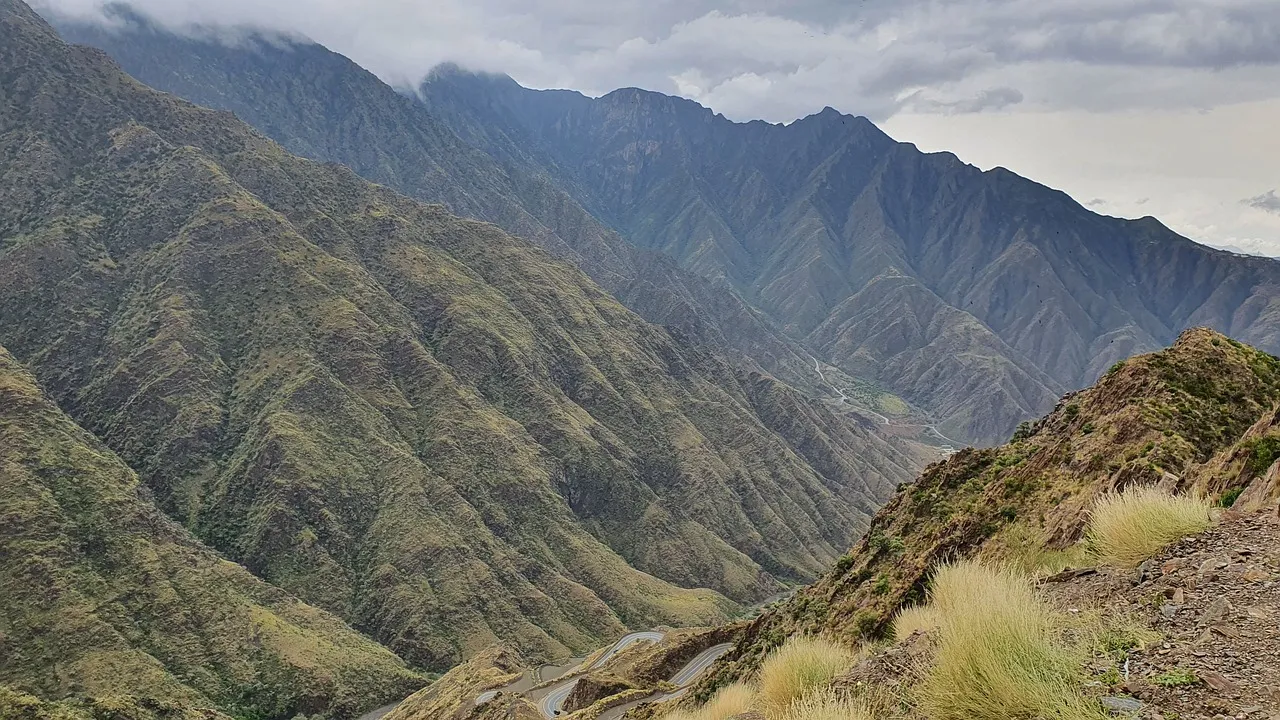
pixel 1229 497
pixel 801 665
pixel 998 657
pixel 910 619
pixel 1176 677
pixel 731 700
pixel 1263 452
pixel 826 705
pixel 1130 527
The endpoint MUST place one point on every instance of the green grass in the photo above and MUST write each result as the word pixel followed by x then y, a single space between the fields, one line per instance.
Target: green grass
pixel 1176 677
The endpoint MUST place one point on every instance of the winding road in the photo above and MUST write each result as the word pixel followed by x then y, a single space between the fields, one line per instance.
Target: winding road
pixel 552 703
pixel 682 679
pixel 844 400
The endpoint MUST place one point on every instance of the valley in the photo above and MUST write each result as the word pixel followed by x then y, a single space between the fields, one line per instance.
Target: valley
pixel 334 394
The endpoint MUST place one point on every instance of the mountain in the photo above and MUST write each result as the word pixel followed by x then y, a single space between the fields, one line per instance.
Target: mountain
pixel 1189 419
pixel 987 589
pixel 417 422
pixel 979 296
pixel 106 597
pixel 320 105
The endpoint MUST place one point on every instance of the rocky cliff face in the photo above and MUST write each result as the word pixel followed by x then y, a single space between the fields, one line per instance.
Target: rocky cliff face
pixel 420 423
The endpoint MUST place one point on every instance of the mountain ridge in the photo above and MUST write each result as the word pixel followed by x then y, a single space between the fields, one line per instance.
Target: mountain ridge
pixel 105 597
pixel 802 217
pixel 431 428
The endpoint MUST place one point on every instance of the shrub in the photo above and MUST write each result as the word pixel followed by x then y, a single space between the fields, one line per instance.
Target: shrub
pixel 1130 527
pixel 910 619
pixel 1229 497
pixel 997 656
pixel 730 700
pixel 801 665
pixel 1176 678
pixel 826 705
pixel 1263 452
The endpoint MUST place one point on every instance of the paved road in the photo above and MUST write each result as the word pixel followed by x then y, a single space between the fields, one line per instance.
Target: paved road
pixel 553 702
pixel 626 642
pixel 686 675
pixel 695 666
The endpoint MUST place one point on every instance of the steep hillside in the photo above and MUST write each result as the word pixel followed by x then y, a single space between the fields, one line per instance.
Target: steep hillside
pixel 105 597
pixel 320 105
pixel 1185 418
pixel 979 296
pixel 422 424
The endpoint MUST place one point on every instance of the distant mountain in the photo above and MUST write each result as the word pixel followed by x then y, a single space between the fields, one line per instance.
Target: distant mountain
pixel 977 296
pixel 420 423
pixel 104 596
pixel 321 105
pixel 980 296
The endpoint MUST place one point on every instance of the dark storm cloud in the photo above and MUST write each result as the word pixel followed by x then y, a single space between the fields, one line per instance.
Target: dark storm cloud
pixel 779 59
pixel 1266 202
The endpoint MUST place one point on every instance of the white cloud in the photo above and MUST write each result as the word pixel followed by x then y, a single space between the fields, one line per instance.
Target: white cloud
pixel 940 71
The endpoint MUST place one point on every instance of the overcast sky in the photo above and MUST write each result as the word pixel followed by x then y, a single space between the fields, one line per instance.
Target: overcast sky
pixel 1136 107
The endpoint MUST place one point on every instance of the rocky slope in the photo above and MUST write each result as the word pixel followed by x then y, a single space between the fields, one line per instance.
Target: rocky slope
pixel 1186 418
pixel 107 600
pixel 320 105
pixel 424 425
pixel 980 296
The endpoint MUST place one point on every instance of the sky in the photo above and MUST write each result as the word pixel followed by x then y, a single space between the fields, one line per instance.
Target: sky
pixel 1168 108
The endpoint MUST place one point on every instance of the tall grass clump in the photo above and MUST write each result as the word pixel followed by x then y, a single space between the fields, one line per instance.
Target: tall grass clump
pixel 998 655
pixel 910 619
pixel 826 705
pixel 800 666
pixel 730 700
pixel 1131 526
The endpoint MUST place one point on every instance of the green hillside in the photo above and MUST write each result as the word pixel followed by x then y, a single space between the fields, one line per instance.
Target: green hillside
pixel 106 598
pixel 426 426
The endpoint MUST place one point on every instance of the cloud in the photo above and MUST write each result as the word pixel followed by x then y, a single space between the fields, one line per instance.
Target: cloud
pixel 1266 202
pixel 782 59
pixel 988 100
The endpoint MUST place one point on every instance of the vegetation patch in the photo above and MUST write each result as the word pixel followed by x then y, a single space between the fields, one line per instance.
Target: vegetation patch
pixel 998 655
pixel 1176 677
pixel 1131 526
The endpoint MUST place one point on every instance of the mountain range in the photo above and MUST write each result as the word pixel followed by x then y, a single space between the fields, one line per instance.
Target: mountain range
pixel 414 422
pixel 975 297
pixel 311 386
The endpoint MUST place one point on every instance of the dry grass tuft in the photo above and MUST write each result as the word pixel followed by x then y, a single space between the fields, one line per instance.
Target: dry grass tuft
pixel 1129 527
pixel 826 705
pixel 729 701
pixel 924 618
pixel 998 656
pixel 800 666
